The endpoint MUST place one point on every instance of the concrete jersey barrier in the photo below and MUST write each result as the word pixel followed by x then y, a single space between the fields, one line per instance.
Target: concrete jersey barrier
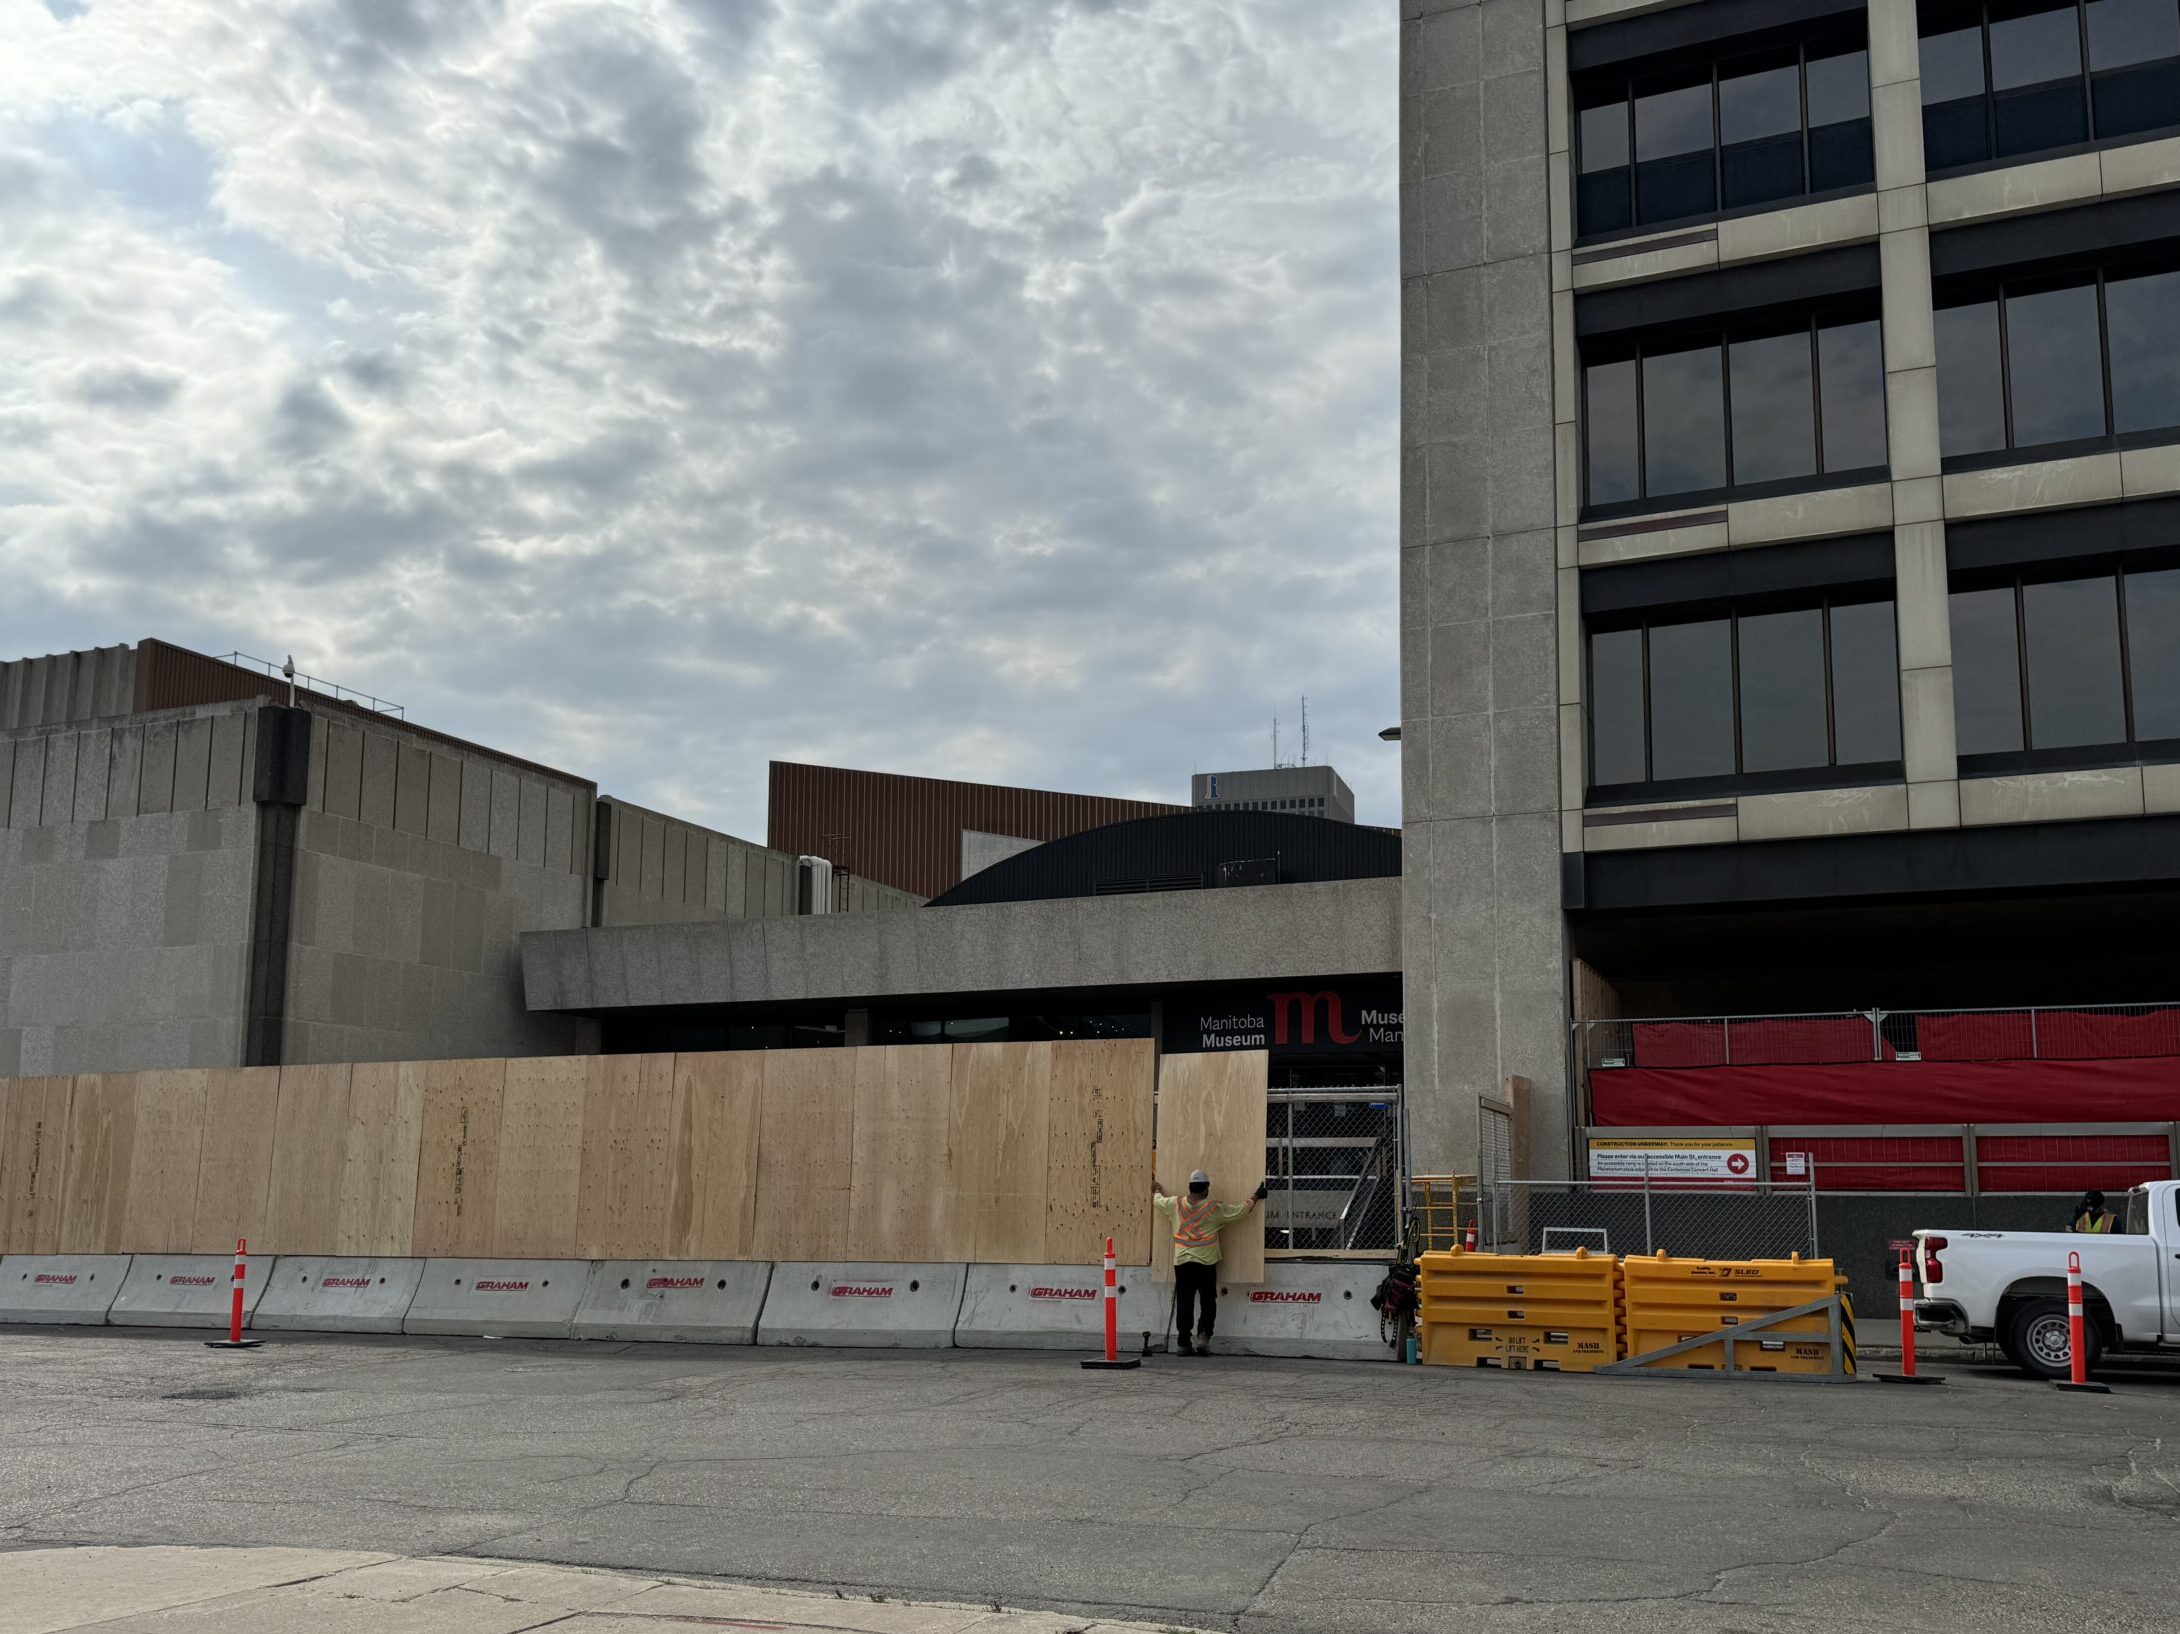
pixel 1303 1309
pixel 314 1294
pixel 73 1290
pixel 186 1291
pixel 704 1302
pixel 498 1299
pixel 909 1307
pixel 1056 1307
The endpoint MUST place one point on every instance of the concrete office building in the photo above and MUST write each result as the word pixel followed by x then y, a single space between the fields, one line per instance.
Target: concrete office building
pixel 1790 527
pixel 1314 791
pixel 180 889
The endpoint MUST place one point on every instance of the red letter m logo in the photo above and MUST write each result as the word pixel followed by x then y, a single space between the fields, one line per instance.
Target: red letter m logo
pixel 1294 1018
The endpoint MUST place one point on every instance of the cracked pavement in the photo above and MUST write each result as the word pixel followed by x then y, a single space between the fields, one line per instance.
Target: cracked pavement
pixel 1266 1497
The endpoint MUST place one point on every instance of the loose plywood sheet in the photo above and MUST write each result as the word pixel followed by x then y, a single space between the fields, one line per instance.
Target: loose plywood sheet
pixel 234 1168
pixel 628 1126
pixel 1211 1116
pixel 457 1174
pixel 160 1214
pixel 805 1154
pixel 1098 1164
pixel 36 1163
pixel 898 1208
pixel 310 1132
pixel 720 1095
pixel 101 1137
pixel 375 1216
pixel 1001 1112
pixel 541 1158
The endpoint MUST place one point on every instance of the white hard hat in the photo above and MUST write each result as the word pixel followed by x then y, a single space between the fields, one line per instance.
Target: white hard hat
pixel 1199 1178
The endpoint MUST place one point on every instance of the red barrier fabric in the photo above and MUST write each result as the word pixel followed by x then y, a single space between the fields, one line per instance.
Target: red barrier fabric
pixel 2054 1035
pixel 2109 1163
pixel 1751 1043
pixel 1890 1092
pixel 2004 1037
pixel 1871 1163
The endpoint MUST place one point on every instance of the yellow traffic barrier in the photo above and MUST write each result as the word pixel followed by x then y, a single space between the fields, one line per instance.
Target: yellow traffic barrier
pixel 1524 1312
pixel 1794 1310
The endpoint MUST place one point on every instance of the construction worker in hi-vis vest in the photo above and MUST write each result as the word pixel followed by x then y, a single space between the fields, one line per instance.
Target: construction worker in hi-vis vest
pixel 1197 1222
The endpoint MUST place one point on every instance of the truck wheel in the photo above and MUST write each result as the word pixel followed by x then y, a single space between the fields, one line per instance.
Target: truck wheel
pixel 2042 1344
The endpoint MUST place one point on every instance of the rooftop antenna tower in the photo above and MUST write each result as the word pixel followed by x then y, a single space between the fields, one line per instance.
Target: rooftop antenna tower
pixel 1305 731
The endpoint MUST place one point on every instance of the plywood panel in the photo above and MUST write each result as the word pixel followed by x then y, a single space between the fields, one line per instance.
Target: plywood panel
pixel 720 1096
pixel 805 1154
pixel 101 1136
pixel 36 1164
pixel 1001 1113
pixel 234 1168
pixel 310 1134
pixel 628 1127
pixel 457 1174
pixel 160 1214
pixel 903 1120
pixel 1211 1112
pixel 541 1158
pixel 1098 1164
pixel 377 1208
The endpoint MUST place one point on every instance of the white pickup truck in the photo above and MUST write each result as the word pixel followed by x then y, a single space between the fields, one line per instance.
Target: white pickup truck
pixel 2010 1286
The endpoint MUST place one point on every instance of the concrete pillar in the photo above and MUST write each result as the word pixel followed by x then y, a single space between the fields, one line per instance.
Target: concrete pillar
pixel 1483 944
pixel 1911 402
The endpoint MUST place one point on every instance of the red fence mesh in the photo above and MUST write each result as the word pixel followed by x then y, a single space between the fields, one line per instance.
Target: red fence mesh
pixel 1789 1041
pixel 1876 1163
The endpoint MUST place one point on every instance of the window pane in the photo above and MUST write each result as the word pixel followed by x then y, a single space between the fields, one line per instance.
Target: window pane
pixel 1609 432
pixel 1604 201
pixel 1616 706
pixel 2134 65
pixel 2153 651
pixel 1684 422
pixel 1865 684
pixel 1840 154
pixel 2036 65
pixel 1953 65
pixel 1986 672
pixel 2071 635
pixel 1774 408
pixel 1673 150
pixel 2127 33
pixel 1971 395
pixel 1691 700
pixel 1782 691
pixel 2055 365
pixel 2145 346
pixel 1954 109
pixel 1760 130
pixel 1851 376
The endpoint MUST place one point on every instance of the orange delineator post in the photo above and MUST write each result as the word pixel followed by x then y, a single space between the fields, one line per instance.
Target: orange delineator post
pixel 234 1339
pixel 2077 1334
pixel 1907 1373
pixel 1111 1358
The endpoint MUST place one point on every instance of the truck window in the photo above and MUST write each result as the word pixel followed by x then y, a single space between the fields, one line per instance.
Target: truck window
pixel 2138 1213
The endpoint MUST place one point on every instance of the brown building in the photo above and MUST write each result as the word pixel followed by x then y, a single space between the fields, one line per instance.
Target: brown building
pixel 908 832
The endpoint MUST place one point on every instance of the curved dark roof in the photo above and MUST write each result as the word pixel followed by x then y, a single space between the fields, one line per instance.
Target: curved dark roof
pixel 1190 850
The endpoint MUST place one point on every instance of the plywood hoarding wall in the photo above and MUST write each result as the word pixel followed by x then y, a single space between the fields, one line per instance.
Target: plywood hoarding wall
pixel 995 1153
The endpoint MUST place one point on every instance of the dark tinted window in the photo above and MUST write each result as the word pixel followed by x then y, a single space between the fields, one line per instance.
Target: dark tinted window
pixel 1673 143
pixel 2036 76
pixel 1616 707
pixel 1691 699
pixel 2143 312
pixel 1865 683
pixel 2055 365
pixel 1782 691
pixel 1612 457
pixel 2134 65
pixel 1605 200
pixel 2153 651
pixel 2070 633
pixel 1840 151
pixel 1684 419
pixel 1986 672
pixel 1851 365
pixel 1760 130
pixel 1774 407
pixel 1971 385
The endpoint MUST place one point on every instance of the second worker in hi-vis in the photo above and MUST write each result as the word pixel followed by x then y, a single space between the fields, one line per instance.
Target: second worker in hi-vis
pixel 1197 1222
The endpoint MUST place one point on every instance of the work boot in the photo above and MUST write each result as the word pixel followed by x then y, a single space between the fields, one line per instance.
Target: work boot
pixel 1203 1344
pixel 1186 1348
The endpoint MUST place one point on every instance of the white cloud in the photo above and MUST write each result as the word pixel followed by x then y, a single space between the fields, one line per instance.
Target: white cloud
pixel 661 386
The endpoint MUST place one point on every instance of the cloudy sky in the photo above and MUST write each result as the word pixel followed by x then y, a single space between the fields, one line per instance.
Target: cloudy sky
pixel 1000 389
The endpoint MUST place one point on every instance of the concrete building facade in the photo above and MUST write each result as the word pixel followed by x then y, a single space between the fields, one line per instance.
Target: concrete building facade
pixel 1789 464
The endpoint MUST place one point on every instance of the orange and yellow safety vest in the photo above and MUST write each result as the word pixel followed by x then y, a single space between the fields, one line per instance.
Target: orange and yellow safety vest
pixel 1196 1226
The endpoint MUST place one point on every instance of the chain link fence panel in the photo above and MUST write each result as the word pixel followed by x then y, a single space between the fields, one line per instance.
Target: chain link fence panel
pixel 1333 1164
pixel 1743 1220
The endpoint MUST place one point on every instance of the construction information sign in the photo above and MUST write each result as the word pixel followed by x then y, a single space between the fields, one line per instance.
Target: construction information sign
pixel 1673 1157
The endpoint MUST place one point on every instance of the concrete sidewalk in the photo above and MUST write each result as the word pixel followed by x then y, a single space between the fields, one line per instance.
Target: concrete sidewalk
pixel 278 1591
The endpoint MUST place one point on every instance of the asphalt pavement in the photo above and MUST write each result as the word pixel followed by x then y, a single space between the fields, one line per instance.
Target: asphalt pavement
pixel 1271 1497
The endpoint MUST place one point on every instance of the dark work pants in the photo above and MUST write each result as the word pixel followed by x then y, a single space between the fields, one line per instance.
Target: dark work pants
pixel 1190 1284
